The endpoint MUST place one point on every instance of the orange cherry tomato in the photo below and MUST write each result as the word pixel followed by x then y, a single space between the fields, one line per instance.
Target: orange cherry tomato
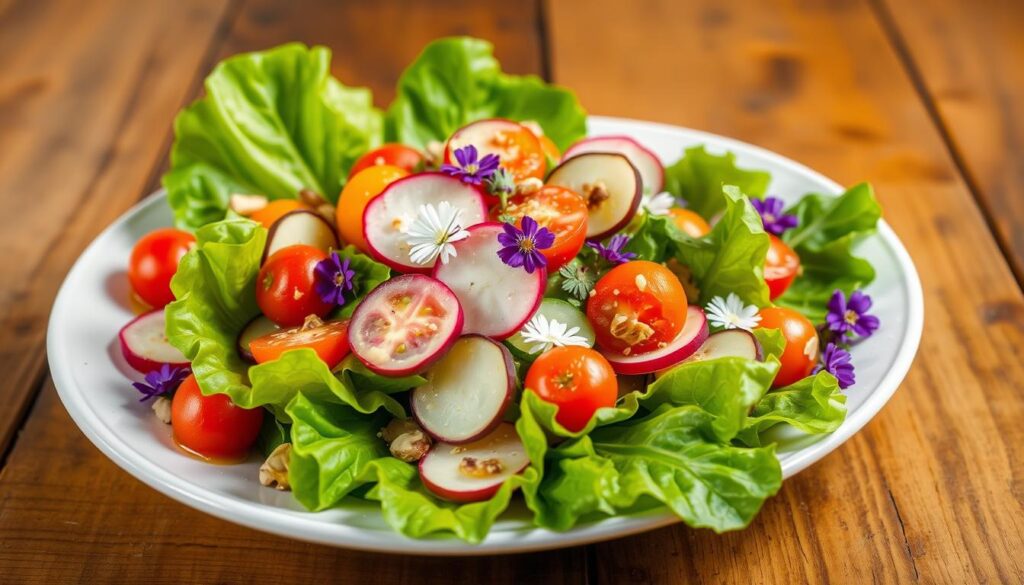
pixel 284 287
pixel 212 426
pixel 690 222
pixel 801 353
pixel 550 148
pixel 154 261
pixel 329 340
pixel 396 155
pixel 517 147
pixel 578 380
pixel 357 193
pixel 275 210
pixel 780 266
pixel 560 210
pixel 637 307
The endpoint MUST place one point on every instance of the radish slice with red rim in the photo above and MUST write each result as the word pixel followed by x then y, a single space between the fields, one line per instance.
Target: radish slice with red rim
pixel 611 185
pixel 497 299
pixel 389 215
pixel 467 391
pixel 652 172
pixel 404 325
pixel 689 340
pixel 474 472
pixel 145 346
pixel 729 343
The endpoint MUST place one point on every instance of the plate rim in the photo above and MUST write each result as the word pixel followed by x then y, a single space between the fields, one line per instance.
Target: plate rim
pixel 301 526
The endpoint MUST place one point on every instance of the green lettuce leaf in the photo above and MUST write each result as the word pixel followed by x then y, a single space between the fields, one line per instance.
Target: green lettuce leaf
pixel 272 122
pixel 815 405
pixel 829 229
pixel 698 178
pixel 457 80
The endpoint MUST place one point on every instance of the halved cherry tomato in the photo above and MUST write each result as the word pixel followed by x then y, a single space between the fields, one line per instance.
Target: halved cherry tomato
pixel 518 148
pixel 801 353
pixel 275 210
pixel 284 287
pixel 154 261
pixel 637 307
pixel 690 222
pixel 578 380
pixel 357 193
pixel 780 266
pixel 329 340
pixel 560 210
pixel 397 155
pixel 212 426
pixel 549 148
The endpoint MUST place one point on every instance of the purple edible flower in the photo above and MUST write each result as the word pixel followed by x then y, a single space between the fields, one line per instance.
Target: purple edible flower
pixel 846 316
pixel 469 169
pixel 333 278
pixel 162 381
pixel 613 251
pixel 836 361
pixel 521 247
pixel 774 220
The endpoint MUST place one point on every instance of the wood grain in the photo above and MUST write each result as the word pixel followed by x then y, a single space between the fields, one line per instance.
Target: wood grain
pixel 968 60
pixel 83 87
pixel 931 490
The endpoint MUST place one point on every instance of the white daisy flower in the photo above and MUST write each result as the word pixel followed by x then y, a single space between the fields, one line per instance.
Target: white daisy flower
pixel 660 204
pixel 545 334
pixel 731 313
pixel 431 234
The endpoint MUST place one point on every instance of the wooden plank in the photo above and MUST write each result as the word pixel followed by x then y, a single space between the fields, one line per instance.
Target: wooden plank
pixel 68 515
pixel 930 490
pixel 968 59
pixel 83 85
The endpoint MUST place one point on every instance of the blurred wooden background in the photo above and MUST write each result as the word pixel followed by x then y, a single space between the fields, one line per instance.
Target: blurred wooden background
pixel 924 98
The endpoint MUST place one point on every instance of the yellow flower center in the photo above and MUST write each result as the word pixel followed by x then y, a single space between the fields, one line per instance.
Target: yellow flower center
pixel 851 316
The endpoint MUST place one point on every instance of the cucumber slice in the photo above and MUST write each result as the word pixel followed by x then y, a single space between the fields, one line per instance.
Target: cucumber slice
pixel 560 311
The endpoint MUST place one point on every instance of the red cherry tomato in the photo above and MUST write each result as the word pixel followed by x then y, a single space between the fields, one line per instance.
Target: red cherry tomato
pixel 518 148
pixel 801 353
pixel 578 380
pixel 560 210
pixel 329 340
pixel 154 261
pixel 780 266
pixel 212 426
pixel 636 307
pixel 396 155
pixel 284 287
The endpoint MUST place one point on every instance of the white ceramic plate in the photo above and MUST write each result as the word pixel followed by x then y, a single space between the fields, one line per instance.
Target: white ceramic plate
pixel 90 375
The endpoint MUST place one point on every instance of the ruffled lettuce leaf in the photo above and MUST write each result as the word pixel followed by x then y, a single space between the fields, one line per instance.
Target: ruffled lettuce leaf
pixel 273 123
pixel 455 81
pixel 215 291
pixel 815 405
pixel 698 178
pixel 829 229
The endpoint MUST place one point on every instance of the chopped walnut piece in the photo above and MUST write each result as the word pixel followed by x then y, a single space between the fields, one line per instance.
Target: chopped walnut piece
pixel 473 467
pixel 243 204
pixel 595 194
pixel 405 439
pixel 320 205
pixel 629 329
pixel 274 471
pixel 162 409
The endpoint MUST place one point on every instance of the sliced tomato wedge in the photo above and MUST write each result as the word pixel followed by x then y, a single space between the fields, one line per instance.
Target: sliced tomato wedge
pixel 518 148
pixel 562 211
pixel 781 266
pixel 328 339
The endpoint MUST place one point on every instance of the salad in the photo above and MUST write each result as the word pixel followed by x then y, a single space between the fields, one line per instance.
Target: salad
pixel 464 299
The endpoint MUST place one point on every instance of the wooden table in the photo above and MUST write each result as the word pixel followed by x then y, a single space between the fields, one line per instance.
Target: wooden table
pixel 924 98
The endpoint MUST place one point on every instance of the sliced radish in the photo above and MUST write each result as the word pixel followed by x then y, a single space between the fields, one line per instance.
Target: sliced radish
pixel 610 183
pixel 729 343
pixel 300 227
pixel 497 299
pixel 258 327
pixel 145 346
pixel 405 324
pixel 474 472
pixel 646 162
pixel 390 213
pixel 689 340
pixel 467 391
